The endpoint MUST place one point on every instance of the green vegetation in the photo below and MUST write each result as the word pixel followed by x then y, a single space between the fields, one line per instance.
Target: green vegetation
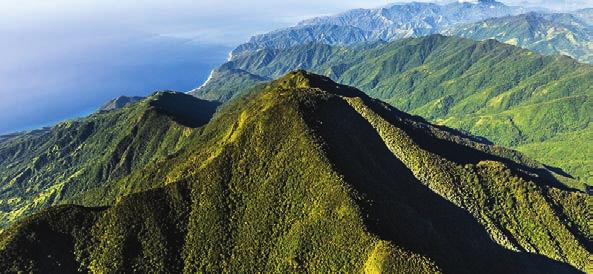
pixel 120 102
pixel 230 82
pixel 571 150
pixel 511 96
pixel 306 175
pixel 550 34
pixel 50 166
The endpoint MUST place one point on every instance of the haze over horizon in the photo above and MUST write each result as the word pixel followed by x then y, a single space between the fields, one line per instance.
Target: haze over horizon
pixel 63 59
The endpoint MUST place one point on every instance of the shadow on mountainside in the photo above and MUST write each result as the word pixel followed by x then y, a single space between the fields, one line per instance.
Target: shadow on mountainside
pixel 462 154
pixel 184 109
pixel 559 171
pixel 402 210
pixel 45 241
pixel 435 138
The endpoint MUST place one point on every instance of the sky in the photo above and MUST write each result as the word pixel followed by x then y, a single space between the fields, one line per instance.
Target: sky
pixel 64 58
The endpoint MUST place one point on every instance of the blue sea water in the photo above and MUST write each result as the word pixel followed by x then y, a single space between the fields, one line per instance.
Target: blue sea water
pixel 76 84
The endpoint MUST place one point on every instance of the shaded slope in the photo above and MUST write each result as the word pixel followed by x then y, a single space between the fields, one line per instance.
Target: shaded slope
pixel 50 241
pixel 309 175
pixel 509 95
pixel 47 167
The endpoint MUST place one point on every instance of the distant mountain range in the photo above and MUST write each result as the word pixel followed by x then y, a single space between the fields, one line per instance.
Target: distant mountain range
pixel 585 15
pixel 513 97
pixel 308 175
pixel 544 33
pixel 389 23
pixel 535 29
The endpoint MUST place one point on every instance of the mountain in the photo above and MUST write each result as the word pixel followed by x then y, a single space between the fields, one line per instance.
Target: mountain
pixel 383 24
pixel 225 84
pixel 308 175
pixel 54 165
pixel 585 15
pixel 421 15
pixel 512 96
pixel 543 33
pixel 120 102
pixel 325 33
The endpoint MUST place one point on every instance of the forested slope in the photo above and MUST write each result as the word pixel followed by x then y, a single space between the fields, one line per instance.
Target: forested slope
pixel 308 175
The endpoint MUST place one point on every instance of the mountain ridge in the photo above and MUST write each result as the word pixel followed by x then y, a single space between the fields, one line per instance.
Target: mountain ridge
pixel 51 166
pixel 488 88
pixel 388 23
pixel 544 33
pixel 350 184
pixel 119 102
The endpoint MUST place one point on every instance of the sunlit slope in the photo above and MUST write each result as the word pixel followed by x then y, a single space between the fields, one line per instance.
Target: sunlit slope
pixel 511 96
pixel 49 166
pixel 308 175
pixel 549 34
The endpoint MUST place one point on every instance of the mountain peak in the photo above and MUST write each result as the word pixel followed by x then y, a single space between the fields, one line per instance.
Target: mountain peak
pixel 293 155
pixel 120 102
pixel 301 79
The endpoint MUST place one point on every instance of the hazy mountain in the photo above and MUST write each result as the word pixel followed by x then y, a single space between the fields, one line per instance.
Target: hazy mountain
pixel 585 15
pixel 388 23
pixel 512 96
pixel 54 165
pixel 543 33
pixel 308 175
pixel 415 14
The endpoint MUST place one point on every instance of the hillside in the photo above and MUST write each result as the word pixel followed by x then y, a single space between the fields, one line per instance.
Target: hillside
pixel 306 175
pixel 47 167
pixel 544 33
pixel 396 21
pixel 120 102
pixel 509 95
